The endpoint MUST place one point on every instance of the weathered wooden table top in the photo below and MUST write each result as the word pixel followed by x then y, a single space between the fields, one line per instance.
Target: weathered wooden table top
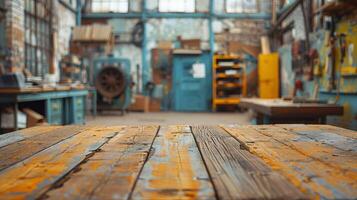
pixel 179 162
pixel 280 107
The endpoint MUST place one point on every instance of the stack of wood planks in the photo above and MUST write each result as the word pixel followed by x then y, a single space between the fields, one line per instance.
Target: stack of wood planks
pixel 179 162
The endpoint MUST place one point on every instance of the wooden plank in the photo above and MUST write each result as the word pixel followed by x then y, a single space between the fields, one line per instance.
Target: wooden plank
pixel 238 174
pixel 288 109
pixel 112 172
pixel 316 147
pixel 18 151
pixel 175 169
pixel 330 137
pixel 325 128
pixel 317 178
pixel 35 175
pixel 9 138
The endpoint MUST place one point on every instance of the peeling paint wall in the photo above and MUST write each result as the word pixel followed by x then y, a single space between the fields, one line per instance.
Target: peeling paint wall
pixel 66 20
pixel 247 32
pixel 298 19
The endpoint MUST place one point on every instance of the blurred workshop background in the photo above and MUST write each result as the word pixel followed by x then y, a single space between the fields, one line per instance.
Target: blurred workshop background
pixel 177 62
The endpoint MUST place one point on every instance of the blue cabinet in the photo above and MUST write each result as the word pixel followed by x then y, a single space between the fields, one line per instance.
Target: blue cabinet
pixel 54 109
pixel 192 78
pixel 67 108
pixel 77 110
pixel 59 107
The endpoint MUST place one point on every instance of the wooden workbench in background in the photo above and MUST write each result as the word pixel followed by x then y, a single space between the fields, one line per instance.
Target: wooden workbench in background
pixel 179 162
pixel 60 105
pixel 278 111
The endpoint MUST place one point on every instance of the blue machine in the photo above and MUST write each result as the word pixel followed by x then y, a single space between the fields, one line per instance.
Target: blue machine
pixel 112 80
pixel 192 82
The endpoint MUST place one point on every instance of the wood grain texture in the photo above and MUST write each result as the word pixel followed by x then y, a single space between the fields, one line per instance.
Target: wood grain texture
pixel 35 175
pixel 329 148
pixel 111 172
pixel 236 173
pixel 343 139
pixel 179 162
pixel 305 163
pixel 175 169
pixel 18 151
pixel 337 130
pixel 19 135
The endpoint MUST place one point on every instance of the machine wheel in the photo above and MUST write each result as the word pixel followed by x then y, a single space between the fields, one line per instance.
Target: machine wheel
pixel 110 82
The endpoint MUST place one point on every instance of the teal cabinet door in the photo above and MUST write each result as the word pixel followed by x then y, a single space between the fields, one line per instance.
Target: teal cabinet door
pixel 77 115
pixel 192 77
pixel 54 111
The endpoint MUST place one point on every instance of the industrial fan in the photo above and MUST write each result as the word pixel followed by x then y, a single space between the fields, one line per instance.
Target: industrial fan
pixel 113 83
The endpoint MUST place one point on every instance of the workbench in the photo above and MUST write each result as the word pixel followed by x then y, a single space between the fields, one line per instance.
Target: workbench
pixel 179 162
pixel 278 111
pixel 62 105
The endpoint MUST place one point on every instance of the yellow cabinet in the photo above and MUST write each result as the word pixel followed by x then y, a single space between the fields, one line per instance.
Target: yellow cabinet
pixel 268 72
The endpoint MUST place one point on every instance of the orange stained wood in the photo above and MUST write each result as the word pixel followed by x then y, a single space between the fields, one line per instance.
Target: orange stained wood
pixel 331 149
pixel 179 162
pixel 20 150
pixel 175 169
pixel 32 177
pixel 308 164
pixel 112 171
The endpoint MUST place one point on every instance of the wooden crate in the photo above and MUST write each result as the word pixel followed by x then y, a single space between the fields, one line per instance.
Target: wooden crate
pixel 141 104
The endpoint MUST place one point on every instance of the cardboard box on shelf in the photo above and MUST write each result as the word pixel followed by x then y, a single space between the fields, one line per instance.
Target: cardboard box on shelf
pixel 164 45
pixel 194 44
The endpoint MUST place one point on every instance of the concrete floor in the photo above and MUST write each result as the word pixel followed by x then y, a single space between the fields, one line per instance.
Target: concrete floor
pixel 169 118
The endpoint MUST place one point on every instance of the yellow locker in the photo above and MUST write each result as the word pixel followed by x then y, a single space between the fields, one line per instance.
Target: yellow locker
pixel 268 72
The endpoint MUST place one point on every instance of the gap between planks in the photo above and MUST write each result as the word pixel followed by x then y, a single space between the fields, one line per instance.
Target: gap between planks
pixel 175 169
pixel 34 141
pixel 112 172
pixel 236 173
pixel 35 175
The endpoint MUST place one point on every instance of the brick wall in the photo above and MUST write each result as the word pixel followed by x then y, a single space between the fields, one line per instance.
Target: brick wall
pixel 14 47
pixel 15 34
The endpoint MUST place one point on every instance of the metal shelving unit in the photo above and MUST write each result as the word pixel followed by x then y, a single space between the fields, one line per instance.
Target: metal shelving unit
pixel 229 82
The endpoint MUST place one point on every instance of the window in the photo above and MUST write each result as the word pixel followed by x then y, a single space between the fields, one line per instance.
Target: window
pixel 37 36
pixel 177 6
pixel 241 6
pixel 121 6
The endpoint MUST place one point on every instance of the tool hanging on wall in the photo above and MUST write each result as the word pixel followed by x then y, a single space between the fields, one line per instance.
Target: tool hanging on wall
pixel 331 56
pixel 315 61
pixel 330 62
pixel 298 89
pixel 343 52
pixel 343 47
pixel 350 54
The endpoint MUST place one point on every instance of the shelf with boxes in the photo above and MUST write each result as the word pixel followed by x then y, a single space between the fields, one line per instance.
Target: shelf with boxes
pixel 229 81
pixel 71 70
